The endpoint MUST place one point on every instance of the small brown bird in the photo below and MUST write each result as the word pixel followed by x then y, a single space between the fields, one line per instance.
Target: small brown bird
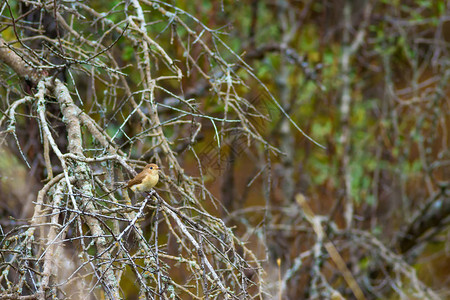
pixel 146 180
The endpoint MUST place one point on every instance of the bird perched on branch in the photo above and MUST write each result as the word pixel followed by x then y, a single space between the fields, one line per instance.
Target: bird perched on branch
pixel 146 180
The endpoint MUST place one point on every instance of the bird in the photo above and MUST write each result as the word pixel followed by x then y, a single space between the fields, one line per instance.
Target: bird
pixel 146 180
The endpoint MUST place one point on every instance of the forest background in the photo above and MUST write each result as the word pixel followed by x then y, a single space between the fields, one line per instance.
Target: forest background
pixel 304 148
